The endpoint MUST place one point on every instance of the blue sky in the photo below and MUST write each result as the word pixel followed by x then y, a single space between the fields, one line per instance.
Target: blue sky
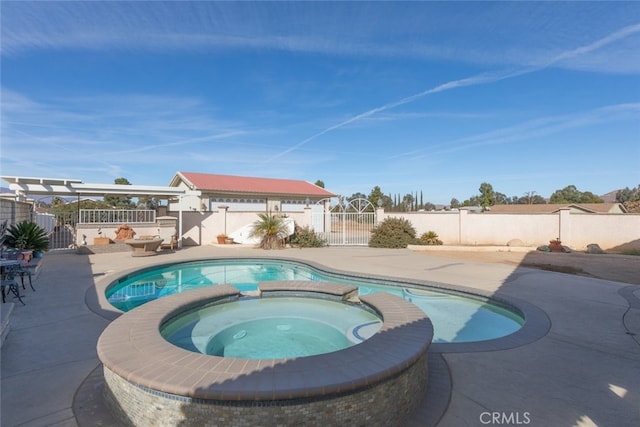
pixel 435 97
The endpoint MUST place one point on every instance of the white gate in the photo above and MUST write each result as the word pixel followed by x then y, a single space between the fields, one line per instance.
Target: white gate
pixel 348 223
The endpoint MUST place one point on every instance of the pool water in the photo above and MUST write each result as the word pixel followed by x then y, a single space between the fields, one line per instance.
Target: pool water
pixel 455 318
pixel 258 328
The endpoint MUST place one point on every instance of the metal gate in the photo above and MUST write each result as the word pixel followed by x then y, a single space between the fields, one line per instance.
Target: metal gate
pixel 348 223
pixel 61 228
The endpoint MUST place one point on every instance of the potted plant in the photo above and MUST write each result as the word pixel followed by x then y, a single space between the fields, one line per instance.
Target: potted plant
pixel 555 245
pixel 222 238
pixel 28 237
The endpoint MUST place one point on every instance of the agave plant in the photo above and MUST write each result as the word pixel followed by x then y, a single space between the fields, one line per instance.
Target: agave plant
pixel 27 235
pixel 430 238
pixel 271 229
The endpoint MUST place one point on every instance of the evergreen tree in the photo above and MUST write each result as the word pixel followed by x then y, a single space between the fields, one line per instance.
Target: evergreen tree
pixel 375 196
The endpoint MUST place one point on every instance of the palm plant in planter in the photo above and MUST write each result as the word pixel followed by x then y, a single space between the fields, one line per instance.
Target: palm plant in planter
pixel 27 236
pixel 271 229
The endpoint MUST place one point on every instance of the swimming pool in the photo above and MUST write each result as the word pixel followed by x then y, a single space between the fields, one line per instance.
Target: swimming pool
pixel 456 318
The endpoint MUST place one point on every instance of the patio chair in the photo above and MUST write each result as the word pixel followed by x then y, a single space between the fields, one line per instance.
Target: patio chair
pixel 22 270
pixel 169 237
pixel 8 282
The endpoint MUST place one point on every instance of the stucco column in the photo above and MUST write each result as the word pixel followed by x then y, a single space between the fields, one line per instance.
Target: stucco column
pixel 462 226
pixel 222 219
pixel 564 226
pixel 307 218
pixel 379 215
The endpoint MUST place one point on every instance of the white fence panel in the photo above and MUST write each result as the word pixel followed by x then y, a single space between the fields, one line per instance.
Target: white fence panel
pixel 46 221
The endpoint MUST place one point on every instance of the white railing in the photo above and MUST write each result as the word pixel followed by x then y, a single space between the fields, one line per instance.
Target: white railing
pixel 112 216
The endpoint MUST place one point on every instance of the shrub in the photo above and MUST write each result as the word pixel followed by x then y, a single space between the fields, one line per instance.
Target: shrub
pixel 271 229
pixel 27 235
pixel 429 238
pixel 305 237
pixel 392 233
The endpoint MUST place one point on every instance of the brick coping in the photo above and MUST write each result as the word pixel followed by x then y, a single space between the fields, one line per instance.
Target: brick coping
pixel 133 348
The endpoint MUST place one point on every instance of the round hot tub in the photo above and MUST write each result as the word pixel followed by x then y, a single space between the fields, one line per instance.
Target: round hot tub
pixel 204 376
pixel 273 328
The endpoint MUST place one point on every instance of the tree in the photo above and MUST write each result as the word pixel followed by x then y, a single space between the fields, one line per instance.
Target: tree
pixel 319 183
pixel 147 202
pixel 501 199
pixel 407 202
pixel 529 198
pixel 377 195
pixel 120 202
pixel 472 201
pixel 487 195
pixel 356 196
pixel 628 195
pixel 455 204
pixel 570 194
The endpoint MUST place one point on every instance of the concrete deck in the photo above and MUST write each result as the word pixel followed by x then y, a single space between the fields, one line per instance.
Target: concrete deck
pixel 584 371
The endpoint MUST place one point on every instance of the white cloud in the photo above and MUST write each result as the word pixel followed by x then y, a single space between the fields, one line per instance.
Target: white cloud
pixel 526 34
pixel 532 129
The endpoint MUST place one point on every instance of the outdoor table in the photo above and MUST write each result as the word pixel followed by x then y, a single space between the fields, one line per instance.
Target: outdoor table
pixel 144 247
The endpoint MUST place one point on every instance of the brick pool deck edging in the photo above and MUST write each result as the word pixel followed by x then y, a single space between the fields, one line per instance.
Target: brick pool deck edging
pixel 140 364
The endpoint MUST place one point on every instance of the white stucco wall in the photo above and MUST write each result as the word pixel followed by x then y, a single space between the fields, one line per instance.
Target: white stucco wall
pixel 610 231
pixel 202 228
pixel 576 230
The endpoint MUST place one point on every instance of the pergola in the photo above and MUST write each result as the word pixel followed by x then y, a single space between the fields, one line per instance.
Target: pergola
pixel 31 186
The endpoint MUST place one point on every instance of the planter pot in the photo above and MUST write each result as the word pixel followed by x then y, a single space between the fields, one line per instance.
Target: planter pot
pixel 26 255
pixel 222 240
pixel 101 240
pixel 555 246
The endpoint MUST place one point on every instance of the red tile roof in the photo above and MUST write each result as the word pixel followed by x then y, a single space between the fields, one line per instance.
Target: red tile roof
pixel 246 184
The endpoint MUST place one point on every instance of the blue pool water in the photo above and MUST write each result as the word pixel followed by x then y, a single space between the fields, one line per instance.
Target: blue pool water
pixel 455 318
pixel 272 328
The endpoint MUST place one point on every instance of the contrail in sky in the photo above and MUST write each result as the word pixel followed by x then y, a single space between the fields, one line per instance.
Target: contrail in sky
pixel 472 81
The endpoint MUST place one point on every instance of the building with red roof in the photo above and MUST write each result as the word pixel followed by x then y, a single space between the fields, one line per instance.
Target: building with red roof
pixel 244 193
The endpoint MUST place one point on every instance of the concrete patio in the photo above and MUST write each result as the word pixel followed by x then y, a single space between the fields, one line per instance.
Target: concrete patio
pixel 584 370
